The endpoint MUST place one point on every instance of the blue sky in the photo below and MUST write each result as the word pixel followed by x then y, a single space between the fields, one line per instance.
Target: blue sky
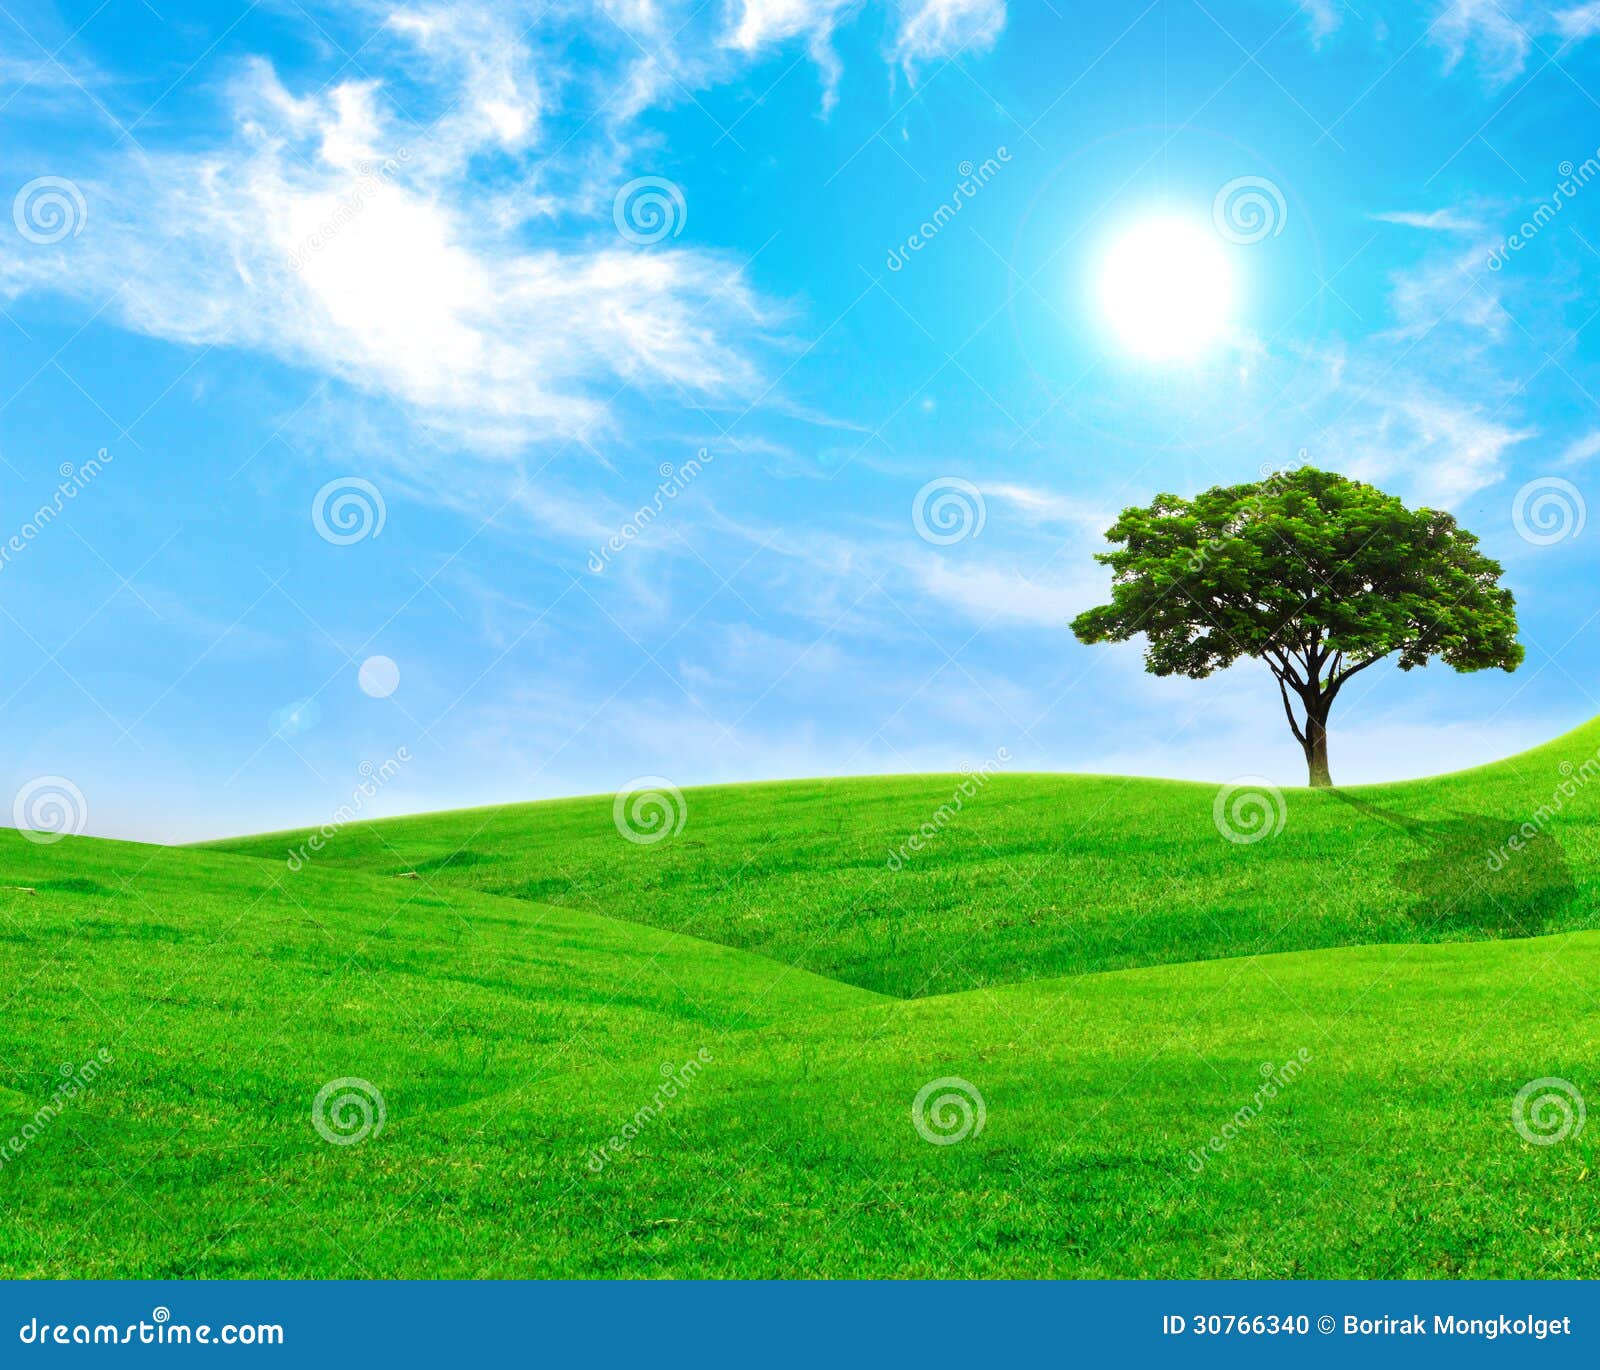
pixel 484 273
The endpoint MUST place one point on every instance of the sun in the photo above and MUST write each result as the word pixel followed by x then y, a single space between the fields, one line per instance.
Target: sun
pixel 1166 289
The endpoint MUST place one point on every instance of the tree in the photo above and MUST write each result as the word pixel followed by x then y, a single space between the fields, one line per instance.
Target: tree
pixel 1315 574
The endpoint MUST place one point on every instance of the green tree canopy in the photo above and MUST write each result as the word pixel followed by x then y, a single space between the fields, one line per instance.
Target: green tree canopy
pixel 1315 574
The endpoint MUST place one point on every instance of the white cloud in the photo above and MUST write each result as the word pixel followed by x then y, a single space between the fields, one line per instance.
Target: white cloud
pixel 1583 449
pixel 763 24
pixel 1582 21
pixel 438 237
pixel 1500 41
pixel 1503 34
pixel 930 29
pixel 317 233
pixel 1443 450
pixel 1447 291
pixel 757 24
pixel 1437 220
pixel 1036 505
pixel 989 593
pixel 1497 38
pixel 1325 16
pixel 491 61
pixel 924 30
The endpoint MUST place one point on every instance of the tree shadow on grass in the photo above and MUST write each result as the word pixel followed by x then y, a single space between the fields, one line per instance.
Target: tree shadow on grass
pixel 1502 877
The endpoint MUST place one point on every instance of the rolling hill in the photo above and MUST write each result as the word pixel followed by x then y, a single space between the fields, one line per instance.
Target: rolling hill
pixel 1080 1030
pixel 1037 875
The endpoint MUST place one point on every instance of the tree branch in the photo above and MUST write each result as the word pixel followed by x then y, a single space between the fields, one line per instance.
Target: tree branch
pixel 1345 675
pixel 1289 713
pixel 1285 669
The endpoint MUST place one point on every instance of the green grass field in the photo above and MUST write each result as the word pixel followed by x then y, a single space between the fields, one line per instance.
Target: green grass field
pixel 1296 1056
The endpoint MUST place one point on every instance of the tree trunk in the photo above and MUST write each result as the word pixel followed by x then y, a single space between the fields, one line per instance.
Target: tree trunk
pixel 1316 749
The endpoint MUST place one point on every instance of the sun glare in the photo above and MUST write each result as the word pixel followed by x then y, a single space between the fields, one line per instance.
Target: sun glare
pixel 1166 289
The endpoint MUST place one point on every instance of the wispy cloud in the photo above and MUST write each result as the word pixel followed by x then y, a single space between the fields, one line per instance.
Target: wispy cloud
pixel 1036 505
pixel 1325 17
pixel 1581 21
pixel 1440 449
pixel 432 237
pixel 931 29
pixel 326 234
pixel 921 30
pixel 1434 221
pixel 985 593
pixel 1447 291
pixel 1502 34
pixel 1583 449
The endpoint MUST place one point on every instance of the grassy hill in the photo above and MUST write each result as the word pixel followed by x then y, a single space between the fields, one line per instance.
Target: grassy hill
pixel 227 994
pixel 702 1056
pixel 1037 875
